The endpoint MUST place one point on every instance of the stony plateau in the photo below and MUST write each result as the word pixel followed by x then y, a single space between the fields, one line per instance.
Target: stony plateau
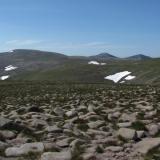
pixel 44 121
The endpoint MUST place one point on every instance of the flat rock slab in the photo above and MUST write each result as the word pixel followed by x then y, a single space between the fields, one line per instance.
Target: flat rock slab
pixel 146 145
pixel 126 133
pixel 56 156
pixel 24 149
pixel 4 121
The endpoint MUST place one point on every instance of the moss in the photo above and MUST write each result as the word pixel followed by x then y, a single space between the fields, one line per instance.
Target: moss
pixel 99 149
pixel 83 127
pixel 122 139
pixel 138 125
pixel 76 155
pixel 140 115
pixel 154 154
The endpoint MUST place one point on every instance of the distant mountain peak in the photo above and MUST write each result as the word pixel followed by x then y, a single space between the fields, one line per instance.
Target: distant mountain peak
pixel 104 55
pixel 139 57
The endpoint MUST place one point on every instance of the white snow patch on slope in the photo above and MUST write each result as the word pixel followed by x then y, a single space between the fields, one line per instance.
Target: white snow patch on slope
pixel 10 67
pixel 4 77
pixel 118 76
pixel 96 63
pixel 122 82
pixel 130 77
pixel 93 62
pixel 102 64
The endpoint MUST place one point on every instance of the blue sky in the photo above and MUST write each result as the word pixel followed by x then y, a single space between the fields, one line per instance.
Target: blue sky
pixel 81 27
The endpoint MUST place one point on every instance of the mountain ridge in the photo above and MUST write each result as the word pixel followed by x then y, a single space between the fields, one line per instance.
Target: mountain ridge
pixel 139 57
pixel 51 66
pixel 103 55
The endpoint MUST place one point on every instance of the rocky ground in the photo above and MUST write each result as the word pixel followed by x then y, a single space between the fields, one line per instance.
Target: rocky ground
pixel 79 122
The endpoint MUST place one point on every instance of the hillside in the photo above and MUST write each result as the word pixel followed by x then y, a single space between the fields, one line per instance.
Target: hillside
pixel 55 67
pixel 139 57
pixel 104 56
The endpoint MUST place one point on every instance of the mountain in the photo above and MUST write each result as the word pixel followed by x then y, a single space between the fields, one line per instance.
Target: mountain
pixel 104 56
pixel 31 58
pixel 139 57
pixel 28 65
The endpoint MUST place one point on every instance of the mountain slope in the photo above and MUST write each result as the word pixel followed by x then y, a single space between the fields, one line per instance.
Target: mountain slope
pixel 104 56
pixel 55 67
pixel 139 57
pixel 78 71
pixel 30 59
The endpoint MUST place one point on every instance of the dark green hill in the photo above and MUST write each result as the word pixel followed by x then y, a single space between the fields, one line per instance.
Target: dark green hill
pixel 139 57
pixel 55 67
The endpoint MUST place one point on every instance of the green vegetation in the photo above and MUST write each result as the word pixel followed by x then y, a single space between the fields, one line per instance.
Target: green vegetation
pixel 138 125
pixel 154 154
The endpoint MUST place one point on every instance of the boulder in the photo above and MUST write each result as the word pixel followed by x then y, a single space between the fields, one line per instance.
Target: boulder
pixel 3 146
pixel 114 148
pixel 65 155
pixel 141 134
pixel 91 108
pixel 25 149
pixel 53 129
pixel 96 124
pixel 127 134
pixel 153 129
pixel 124 125
pixel 58 111
pixel 38 123
pixel 128 117
pixel 4 121
pixel 146 145
pixel 48 146
pixel 71 113
pixel 63 142
pixel 7 134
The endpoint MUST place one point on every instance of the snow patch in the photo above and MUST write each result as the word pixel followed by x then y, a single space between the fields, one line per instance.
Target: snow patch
pixel 118 76
pixel 130 77
pixel 96 63
pixel 122 82
pixel 102 64
pixel 10 67
pixel 4 77
pixel 93 62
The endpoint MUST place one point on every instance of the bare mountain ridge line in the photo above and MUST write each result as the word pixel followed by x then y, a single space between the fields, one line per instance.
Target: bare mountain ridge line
pixel 102 55
pixel 38 65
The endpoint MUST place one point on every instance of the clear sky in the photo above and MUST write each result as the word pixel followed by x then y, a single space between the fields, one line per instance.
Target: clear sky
pixel 81 27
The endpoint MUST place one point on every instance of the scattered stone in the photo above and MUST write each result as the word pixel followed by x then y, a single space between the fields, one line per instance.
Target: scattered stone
pixel 124 125
pixel 153 129
pixel 80 125
pixel 7 134
pixel 54 129
pixel 59 111
pixel 146 145
pixel 71 113
pixel 4 121
pixel 114 148
pixel 96 124
pixel 91 108
pixel 25 149
pixel 128 117
pixel 63 142
pixel 141 134
pixel 3 146
pixel 65 155
pixel 127 134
